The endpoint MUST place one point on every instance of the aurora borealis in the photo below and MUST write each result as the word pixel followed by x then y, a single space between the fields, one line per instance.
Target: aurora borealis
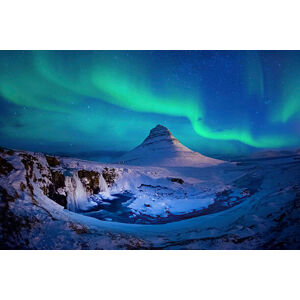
pixel 213 101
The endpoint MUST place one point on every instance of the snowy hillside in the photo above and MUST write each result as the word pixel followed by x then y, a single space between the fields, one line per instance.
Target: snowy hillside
pixel 52 202
pixel 272 154
pixel 161 148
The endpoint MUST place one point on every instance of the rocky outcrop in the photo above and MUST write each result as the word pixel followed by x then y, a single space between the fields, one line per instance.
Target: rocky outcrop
pixel 178 180
pixel 90 180
pixel 12 226
pixel 110 175
pixel 51 182
pixel 5 167
pixel 7 151
pixel 58 182
pixel 55 189
pixel 52 161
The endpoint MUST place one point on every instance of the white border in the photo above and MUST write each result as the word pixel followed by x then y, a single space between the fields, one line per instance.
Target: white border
pixel 155 24
pixel 149 275
pixel 149 25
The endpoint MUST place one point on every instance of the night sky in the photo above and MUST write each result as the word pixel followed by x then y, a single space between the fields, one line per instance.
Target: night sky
pixel 215 102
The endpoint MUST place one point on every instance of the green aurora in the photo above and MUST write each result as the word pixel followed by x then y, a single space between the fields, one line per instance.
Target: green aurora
pixel 213 101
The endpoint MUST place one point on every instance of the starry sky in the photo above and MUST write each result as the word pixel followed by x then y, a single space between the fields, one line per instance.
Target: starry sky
pixel 215 102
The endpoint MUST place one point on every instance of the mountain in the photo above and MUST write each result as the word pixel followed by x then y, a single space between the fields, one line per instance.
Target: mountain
pixel 272 154
pixel 161 148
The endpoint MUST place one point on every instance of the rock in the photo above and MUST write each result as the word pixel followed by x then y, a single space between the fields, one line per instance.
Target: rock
pixel 52 161
pixel 178 180
pixel 109 175
pixel 5 167
pixel 90 180
pixel 7 151
pixel 28 162
pixel 51 190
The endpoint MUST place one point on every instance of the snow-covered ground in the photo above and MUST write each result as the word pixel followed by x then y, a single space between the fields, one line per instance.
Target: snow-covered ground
pixel 246 205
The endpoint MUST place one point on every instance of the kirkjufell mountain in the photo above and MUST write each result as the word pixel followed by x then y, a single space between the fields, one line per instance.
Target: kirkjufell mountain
pixel 161 148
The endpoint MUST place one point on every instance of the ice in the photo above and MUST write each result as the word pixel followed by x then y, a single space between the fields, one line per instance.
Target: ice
pixel 77 196
pixel 260 198
pixel 104 190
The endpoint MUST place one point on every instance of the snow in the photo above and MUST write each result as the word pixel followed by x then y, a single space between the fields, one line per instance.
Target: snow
pixel 161 148
pixel 267 217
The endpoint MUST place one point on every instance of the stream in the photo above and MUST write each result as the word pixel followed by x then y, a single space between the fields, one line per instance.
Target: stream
pixel 118 210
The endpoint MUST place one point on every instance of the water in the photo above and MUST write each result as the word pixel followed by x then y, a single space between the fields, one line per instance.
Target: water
pixel 77 195
pixel 115 210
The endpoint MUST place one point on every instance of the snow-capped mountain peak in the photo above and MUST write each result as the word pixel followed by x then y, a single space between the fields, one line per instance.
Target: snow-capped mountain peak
pixel 161 148
pixel 159 134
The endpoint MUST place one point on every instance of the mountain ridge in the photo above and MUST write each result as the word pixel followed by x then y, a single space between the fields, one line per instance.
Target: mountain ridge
pixel 161 148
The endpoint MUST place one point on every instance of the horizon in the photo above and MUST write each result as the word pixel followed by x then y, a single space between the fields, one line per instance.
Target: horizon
pixel 108 156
